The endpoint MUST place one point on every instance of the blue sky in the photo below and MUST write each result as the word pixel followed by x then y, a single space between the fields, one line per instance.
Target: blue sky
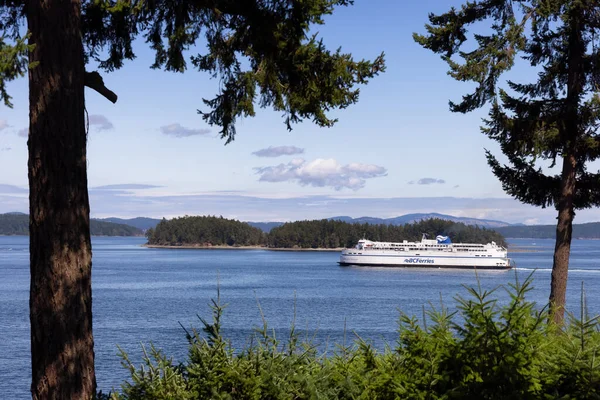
pixel 398 150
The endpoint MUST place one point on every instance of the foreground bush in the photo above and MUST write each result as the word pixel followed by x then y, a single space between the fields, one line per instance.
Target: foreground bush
pixel 494 352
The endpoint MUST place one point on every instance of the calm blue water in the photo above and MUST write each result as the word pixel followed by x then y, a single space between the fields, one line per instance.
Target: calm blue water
pixel 141 295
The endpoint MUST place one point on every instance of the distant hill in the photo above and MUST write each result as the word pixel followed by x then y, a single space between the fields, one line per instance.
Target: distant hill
pixel 142 223
pixel 18 224
pixel 417 217
pixel 397 221
pixel 590 230
pixel 265 226
pixel 105 228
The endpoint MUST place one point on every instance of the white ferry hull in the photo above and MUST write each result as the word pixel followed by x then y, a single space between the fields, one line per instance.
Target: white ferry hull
pixel 423 261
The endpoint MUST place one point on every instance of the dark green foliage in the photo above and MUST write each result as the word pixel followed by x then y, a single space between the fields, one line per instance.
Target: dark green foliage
pixel 321 234
pixel 18 224
pixel 260 50
pixel 13 53
pixel 555 116
pixel 14 224
pixel 103 228
pixel 480 351
pixel 333 234
pixel 212 231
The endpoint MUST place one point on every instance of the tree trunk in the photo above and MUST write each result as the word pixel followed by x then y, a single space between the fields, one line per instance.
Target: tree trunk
pixel 562 249
pixel 62 345
pixel 570 133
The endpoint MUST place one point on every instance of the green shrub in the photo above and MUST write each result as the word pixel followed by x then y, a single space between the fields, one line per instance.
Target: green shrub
pixel 480 351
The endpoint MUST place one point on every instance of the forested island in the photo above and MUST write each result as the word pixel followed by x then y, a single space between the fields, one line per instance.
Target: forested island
pixel 204 231
pixel 18 224
pixel 210 231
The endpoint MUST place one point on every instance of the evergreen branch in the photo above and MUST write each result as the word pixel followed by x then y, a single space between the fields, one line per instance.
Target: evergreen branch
pixel 288 70
pixel 525 183
pixel 13 64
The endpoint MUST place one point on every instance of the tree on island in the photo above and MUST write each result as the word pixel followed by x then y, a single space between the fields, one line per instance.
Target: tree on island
pixel 553 119
pixel 261 50
pixel 327 233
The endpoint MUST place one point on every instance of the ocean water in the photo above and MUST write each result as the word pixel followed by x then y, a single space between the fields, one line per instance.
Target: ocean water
pixel 141 295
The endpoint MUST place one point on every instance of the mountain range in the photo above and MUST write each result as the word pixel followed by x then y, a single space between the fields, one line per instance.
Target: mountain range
pixel 144 223
pixel 141 224
pixel 412 218
pixel 401 220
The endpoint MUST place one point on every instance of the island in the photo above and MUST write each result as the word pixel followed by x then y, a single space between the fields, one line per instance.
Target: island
pixel 325 234
pixel 18 224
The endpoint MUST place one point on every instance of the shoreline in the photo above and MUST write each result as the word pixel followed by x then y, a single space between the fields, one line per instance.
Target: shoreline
pixel 519 249
pixel 516 249
pixel 220 247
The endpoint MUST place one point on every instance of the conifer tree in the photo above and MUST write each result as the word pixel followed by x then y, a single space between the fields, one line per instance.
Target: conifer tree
pixel 261 51
pixel 550 120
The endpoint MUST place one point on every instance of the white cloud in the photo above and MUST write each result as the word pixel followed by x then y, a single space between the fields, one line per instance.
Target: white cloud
pixel 23 132
pixel 322 172
pixel 3 124
pixel 179 131
pixel 6 149
pixel 100 121
pixel 276 151
pixel 428 181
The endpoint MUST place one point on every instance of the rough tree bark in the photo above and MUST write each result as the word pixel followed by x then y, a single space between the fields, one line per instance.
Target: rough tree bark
pixel 60 250
pixel 562 249
pixel 570 131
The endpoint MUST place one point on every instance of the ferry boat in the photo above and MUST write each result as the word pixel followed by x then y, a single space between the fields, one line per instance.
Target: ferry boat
pixel 434 253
